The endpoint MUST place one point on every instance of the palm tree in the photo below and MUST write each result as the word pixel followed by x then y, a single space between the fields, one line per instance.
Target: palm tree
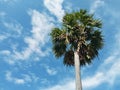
pixel 78 40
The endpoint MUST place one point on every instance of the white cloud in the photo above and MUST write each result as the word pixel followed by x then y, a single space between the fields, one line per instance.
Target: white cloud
pixel 13 27
pixel 25 78
pixel 51 71
pixel 5 52
pixel 100 77
pixel 44 81
pixel 34 77
pixel 3 37
pixel 4 0
pixel 93 81
pixel 95 5
pixel 64 85
pixel 41 27
pixel 68 6
pixel 10 78
pixel 55 7
pixel 19 81
pixel 8 1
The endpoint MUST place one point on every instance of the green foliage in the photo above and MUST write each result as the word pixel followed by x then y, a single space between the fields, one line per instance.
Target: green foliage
pixel 59 41
pixel 78 28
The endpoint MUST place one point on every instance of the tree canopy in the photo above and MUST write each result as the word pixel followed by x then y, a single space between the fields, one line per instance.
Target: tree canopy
pixel 78 29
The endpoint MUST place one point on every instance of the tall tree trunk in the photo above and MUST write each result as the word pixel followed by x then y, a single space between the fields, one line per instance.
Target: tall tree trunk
pixel 77 71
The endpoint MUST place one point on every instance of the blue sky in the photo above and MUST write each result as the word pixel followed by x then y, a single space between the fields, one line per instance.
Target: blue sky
pixel 26 59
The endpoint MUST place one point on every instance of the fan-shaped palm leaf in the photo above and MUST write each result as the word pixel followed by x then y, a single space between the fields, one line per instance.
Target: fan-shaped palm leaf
pixel 80 33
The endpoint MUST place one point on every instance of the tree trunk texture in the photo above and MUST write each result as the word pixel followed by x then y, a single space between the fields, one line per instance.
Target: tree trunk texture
pixel 77 71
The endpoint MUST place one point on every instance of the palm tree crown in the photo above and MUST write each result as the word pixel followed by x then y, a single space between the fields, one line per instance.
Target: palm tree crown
pixel 79 32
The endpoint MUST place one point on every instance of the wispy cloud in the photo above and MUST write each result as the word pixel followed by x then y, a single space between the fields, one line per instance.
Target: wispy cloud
pixel 100 77
pixel 13 26
pixel 55 7
pixel 64 85
pixel 95 5
pixel 3 37
pixel 68 6
pixel 10 27
pixel 25 78
pixel 5 52
pixel 8 1
pixel 41 27
pixel 50 71
pixel 10 78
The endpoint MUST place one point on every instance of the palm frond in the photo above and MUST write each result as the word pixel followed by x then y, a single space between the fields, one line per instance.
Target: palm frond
pixel 78 28
pixel 69 58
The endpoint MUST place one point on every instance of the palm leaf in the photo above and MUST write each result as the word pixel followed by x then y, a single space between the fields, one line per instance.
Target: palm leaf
pixel 78 28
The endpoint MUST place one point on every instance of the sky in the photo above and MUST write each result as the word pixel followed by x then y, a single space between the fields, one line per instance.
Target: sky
pixel 26 58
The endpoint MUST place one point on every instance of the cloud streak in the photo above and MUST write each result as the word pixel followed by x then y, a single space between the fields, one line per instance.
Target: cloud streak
pixel 50 71
pixel 100 77
pixel 64 85
pixel 55 7
pixel 25 79
pixel 96 4
pixel 8 1
pixel 41 27
pixel 13 27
